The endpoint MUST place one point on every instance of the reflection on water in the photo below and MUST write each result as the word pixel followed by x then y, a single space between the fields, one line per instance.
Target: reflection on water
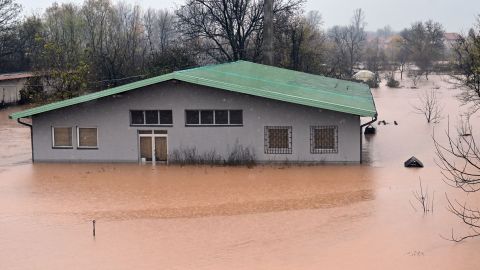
pixel 266 217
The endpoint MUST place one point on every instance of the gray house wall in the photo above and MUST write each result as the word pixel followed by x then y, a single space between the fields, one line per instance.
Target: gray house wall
pixel 118 140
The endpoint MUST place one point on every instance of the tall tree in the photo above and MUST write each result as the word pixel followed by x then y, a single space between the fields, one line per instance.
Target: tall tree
pixel 424 42
pixel 9 12
pixel 229 30
pixel 347 45
pixel 301 45
pixel 398 54
pixel 356 38
pixel 459 159
pixel 466 64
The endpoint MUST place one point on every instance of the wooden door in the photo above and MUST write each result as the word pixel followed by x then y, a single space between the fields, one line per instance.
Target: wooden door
pixel 161 148
pixel 146 148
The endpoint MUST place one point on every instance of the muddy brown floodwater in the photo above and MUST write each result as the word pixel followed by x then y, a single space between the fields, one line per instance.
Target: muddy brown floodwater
pixel 265 217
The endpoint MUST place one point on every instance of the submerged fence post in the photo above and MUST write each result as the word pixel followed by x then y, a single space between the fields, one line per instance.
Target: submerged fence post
pixel 93 222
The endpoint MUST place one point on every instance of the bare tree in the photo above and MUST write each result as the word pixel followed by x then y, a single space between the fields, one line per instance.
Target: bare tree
pixel 301 45
pixel 160 30
pixel 398 54
pixel 347 45
pixel 229 29
pixel 459 161
pixel 422 196
pixel 466 65
pixel 356 38
pixel 338 53
pixel 429 106
pixel 375 57
pixel 9 11
pixel 415 76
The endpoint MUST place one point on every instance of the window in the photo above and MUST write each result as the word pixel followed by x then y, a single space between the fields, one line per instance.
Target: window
pixel 87 137
pixel 323 139
pixel 137 117
pixel 214 117
pixel 166 117
pixel 62 137
pixel 151 117
pixel 236 117
pixel 278 140
pixel 206 117
pixel 221 117
pixel 192 117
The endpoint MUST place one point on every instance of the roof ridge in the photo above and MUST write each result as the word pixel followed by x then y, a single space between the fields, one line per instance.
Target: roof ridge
pixel 203 67
pixel 283 69
pixel 284 84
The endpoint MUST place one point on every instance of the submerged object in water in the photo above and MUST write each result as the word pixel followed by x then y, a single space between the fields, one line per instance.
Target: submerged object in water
pixel 370 130
pixel 413 162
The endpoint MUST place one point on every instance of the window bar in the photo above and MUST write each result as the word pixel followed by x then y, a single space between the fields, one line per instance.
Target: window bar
pixel 268 149
pixel 322 134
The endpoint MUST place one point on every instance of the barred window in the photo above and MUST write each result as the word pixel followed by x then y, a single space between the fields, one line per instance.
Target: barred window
pixel 62 137
pixel 323 139
pixel 278 140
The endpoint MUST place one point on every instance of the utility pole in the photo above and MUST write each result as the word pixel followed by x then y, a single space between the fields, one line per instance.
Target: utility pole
pixel 268 32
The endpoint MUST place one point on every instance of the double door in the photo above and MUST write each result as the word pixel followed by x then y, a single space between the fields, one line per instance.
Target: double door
pixel 153 147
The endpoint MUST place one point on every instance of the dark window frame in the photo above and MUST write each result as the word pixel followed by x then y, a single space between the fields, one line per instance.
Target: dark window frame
pixel 144 124
pixel 214 120
pixel 270 150
pixel 314 149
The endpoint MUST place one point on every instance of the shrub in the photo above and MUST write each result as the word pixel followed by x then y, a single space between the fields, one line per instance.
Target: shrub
pixel 392 83
pixel 372 83
pixel 241 156
pixel 33 91
pixel 189 156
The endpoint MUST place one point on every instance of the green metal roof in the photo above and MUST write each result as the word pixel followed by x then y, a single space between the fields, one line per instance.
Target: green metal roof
pixel 252 79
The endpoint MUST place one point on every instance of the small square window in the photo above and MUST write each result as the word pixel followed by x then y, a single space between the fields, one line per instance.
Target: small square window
pixel 323 139
pixel 206 117
pixel 166 117
pixel 62 137
pixel 151 117
pixel 137 117
pixel 236 117
pixel 278 140
pixel 221 117
pixel 192 117
pixel 87 138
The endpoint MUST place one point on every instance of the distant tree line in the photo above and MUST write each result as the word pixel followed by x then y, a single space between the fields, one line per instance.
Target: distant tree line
pixel 100 44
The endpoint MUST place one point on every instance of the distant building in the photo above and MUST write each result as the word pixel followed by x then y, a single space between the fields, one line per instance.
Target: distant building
pixel 10 86
pixel 279 114
pixel 449 39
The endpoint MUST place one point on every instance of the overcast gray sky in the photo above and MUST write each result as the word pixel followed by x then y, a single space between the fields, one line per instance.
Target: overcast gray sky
pixel 455 15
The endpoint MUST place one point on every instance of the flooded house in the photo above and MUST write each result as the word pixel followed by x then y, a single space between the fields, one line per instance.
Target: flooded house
pixel 276 114
pixel 10 86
